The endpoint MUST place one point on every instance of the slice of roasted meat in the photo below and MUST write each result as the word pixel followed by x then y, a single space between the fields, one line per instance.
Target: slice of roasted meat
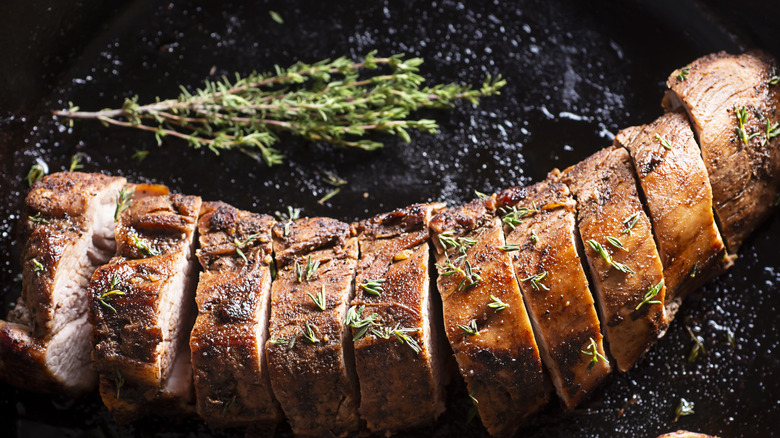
pixel 485 319
pixel 624 263
pixel 69 230
pixel 677 191
pixel 310 356
pixel 142 307
pixel 233 296
pixel 734 111
pixel 398 353
pixel 540 223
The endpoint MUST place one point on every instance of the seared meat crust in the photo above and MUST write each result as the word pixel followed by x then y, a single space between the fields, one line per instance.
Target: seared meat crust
pixel 609 213
pixel 142 306
pixel 742 160
pixel 402 381
pixel 233 296
pixel 500 361
pixel 679 199
pixel 555 287
pixel 310 359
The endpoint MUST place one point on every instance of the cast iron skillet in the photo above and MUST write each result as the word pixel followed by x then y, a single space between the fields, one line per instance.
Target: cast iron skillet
pixel 576 75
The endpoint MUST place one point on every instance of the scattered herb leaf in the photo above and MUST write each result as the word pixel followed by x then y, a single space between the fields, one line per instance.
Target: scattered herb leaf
pixel 650 294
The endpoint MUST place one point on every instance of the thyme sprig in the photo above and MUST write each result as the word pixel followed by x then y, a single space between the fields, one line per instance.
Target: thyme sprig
pixel 608 258
pixel 774 79
pixel 741 115
pixel 614 241
pixel 462 244
pixel 650 294
pixel 37 218
pixel 309 335
pixel 288 217
pixel 37 267
pixel 112 290
pixel 36 172
pixel 119 381
pixel 306 272
pixel 319 300
pixel 497 305
pixel 242 243
pixel 471 329
pixel 629 223
pixel 355 319
pixel 593 350
pixel 75 161
pixel 401 334
pixel 373 287
pixel 514 216
pixel 664 142
pixel 470 277
pixel 144 247
pixel 683 74
pixel 335 101
pixel 536 281
pixel 771 131
pixel 123 201
pixel 684 408
pixel 697 348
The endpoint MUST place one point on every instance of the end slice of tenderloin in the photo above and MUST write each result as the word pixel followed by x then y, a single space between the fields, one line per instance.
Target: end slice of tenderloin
pixel 625 267
pixel 233 296
pixel 44 344
pixel 734 112
pixel 540 222
pixel 678 196
pixel 310 356
pixel 399 354
pixel 142 307
pixel 485 319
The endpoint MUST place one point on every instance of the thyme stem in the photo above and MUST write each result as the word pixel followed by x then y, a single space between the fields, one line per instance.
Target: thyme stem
pixel 334 101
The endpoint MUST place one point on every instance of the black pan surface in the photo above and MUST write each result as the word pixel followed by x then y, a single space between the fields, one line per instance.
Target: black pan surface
pixel 577 72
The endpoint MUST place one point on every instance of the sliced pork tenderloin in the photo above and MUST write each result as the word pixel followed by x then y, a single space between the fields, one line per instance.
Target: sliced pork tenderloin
pixel 400 355
pixel 540 222
pixel 625 267
pixel 733 107
pixel 142 307
pixel 310 354
pixel 44 344
pixel 485 319
pixel 678 196
pixel 233 296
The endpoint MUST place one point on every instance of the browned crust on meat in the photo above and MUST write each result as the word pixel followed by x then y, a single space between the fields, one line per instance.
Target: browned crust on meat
pixel 306 235
pixel 54 210
pixel 679 199
pixel 607 200
pixel 501 363
pixel 744 177
pixel 564 316
pixel 398 386
pixel 21 357
pixel 314 382
pixel 227 345
pixel 128 337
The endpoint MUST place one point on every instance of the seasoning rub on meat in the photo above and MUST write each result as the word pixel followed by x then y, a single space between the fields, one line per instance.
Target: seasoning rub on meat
pixel 69 228
pixel 142 307
pixel 540 222
pixel 484 316
pixel 394 318
pixel 345 340
pixel 310 354
pixel 234 298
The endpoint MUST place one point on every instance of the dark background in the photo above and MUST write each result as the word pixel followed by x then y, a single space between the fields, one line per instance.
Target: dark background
pixel 577 73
